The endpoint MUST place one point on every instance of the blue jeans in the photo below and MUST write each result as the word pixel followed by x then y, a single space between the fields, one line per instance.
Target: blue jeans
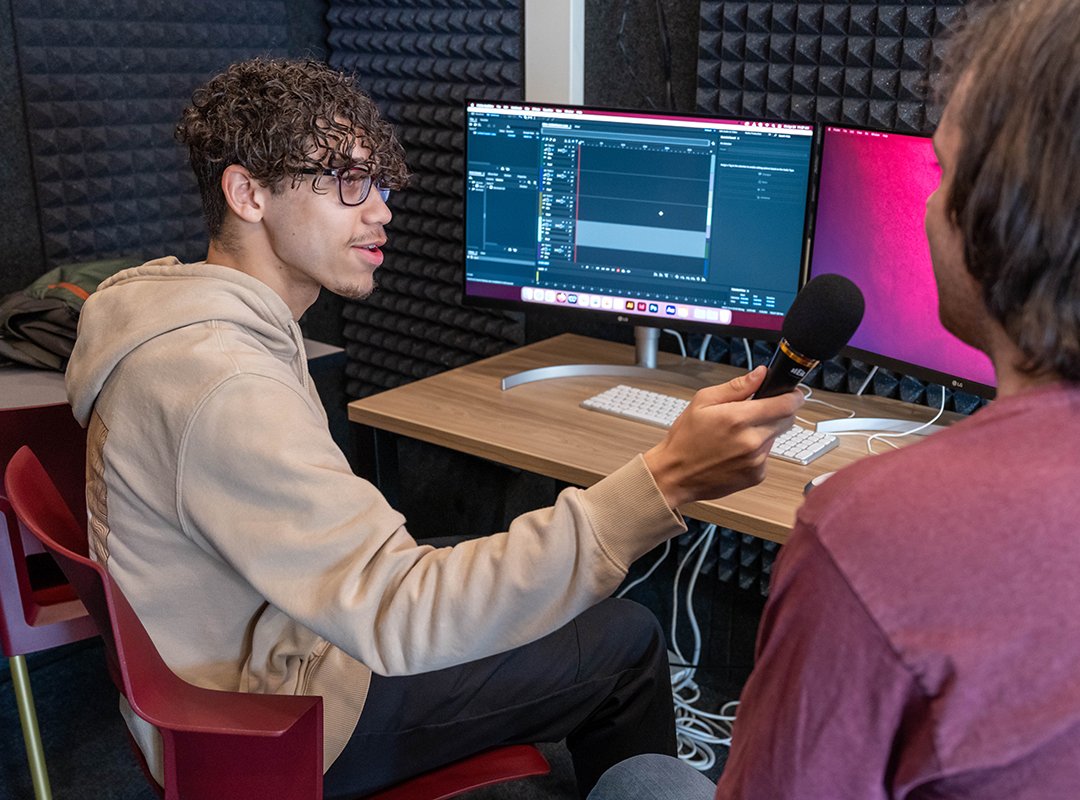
pixel 653 777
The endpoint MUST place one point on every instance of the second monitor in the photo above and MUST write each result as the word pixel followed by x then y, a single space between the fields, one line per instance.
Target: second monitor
pixel 871 201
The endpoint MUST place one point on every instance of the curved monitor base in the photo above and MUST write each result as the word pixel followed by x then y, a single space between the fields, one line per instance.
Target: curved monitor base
pixel 646 345
pixel 860 424
pixel 613 370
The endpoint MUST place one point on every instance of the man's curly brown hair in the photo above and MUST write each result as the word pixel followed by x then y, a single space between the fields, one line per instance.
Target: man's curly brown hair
pixel 276 117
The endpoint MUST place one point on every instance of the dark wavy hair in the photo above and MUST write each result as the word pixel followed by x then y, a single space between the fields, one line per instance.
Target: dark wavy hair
pixel 1014 69
pixel 276 117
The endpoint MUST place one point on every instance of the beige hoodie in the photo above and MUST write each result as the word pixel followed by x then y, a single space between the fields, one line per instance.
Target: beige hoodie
pixel 253 555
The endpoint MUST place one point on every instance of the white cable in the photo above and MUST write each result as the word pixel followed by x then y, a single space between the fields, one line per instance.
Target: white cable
pixel 808 393
pixel 707 533
pixel 870 438
pixel 696 731
pixel 749 355
pixel 704 349
pixel 866 382
pixel 652 569
pixel 886 436
pixel 847 411
pixel 677 335
pixel 710 532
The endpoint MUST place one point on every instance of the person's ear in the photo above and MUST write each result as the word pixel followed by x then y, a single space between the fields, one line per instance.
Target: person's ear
pixel 244 195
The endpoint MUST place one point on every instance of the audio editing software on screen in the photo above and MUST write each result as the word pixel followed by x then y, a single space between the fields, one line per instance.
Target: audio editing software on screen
pixel 694 218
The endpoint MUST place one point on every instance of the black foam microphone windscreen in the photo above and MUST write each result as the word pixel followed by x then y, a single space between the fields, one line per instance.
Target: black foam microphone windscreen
pixel 821 320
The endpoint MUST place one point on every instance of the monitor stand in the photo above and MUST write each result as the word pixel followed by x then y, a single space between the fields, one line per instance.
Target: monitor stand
pixel 645 349
pixel 880 424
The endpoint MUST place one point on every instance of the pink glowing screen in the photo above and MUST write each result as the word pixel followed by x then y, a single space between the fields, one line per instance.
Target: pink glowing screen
pixel 869 227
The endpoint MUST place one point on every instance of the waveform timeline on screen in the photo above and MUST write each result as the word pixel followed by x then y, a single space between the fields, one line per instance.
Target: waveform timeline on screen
pixel 655 218
pixel 868 226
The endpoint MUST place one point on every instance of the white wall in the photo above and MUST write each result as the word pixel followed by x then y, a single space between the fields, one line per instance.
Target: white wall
pixel 555 51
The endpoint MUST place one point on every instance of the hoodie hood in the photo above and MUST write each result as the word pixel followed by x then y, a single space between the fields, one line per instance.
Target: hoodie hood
pixel 136 305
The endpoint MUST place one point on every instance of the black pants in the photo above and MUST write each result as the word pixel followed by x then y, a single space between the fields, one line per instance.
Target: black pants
pixel 601 682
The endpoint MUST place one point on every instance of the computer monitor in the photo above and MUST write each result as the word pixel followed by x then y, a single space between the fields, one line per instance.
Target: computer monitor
pixel 868 227
pixel 652 218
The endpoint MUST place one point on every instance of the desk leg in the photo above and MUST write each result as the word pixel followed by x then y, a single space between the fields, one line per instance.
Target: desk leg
pixel 376 460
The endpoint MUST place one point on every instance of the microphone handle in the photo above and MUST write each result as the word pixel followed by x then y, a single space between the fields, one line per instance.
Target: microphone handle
pixel 787 368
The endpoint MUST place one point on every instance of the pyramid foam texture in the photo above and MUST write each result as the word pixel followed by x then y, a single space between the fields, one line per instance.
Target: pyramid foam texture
pixel 420 60
pixel 103 85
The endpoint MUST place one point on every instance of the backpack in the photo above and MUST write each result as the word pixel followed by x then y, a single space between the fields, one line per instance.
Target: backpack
pixel 38 323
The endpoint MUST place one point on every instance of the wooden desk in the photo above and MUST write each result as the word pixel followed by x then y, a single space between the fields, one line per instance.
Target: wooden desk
pixel 540 427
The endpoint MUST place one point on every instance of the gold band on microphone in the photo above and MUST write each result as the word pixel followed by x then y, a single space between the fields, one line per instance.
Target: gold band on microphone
pixel 798 358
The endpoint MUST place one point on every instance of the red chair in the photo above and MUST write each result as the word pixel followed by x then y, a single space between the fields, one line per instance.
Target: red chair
pixel 216 744
pixel 38 608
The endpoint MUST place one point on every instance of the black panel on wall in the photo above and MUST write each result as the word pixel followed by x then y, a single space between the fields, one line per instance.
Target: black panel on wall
pixel 103 85
pixel 641 53
pixel 419 61
pixel 21 256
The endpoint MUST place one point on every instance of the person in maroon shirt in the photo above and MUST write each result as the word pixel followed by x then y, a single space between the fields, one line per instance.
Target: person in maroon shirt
pixel 922 634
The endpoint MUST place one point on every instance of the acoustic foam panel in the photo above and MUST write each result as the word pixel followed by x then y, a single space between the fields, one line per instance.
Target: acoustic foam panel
pixel 859 63
pixel 103 84
pixel 419 61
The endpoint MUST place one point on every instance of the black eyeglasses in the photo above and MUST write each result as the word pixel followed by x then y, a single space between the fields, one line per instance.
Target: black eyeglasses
pixel 353 184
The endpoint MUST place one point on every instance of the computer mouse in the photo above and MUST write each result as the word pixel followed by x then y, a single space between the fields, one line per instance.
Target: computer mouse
pixel 817 481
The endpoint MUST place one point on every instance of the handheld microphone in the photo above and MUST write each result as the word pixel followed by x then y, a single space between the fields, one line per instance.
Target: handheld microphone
pixel 823 316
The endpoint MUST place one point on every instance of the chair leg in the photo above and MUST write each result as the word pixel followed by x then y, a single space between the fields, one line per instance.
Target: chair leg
pixel 35 752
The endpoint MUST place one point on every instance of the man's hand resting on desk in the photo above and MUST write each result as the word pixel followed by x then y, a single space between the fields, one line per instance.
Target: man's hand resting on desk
pixel 719 444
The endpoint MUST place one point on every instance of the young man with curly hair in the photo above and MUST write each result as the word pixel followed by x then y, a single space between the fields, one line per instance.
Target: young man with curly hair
pixel 259 562
pixel 921 638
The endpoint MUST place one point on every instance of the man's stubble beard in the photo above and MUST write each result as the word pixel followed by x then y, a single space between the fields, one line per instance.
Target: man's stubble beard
pixel 356 292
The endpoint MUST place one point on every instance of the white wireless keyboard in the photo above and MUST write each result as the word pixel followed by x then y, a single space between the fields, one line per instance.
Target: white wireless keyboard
pixel 797 444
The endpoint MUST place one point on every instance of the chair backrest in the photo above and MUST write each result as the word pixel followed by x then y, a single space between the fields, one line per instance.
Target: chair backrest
pixel 37 611
pixel 40 507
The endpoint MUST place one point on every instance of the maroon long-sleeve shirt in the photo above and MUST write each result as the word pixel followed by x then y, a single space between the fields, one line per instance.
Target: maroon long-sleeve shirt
pixel 922 634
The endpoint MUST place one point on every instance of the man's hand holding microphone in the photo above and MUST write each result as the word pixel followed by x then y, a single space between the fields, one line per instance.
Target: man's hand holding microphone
pixel 720 443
